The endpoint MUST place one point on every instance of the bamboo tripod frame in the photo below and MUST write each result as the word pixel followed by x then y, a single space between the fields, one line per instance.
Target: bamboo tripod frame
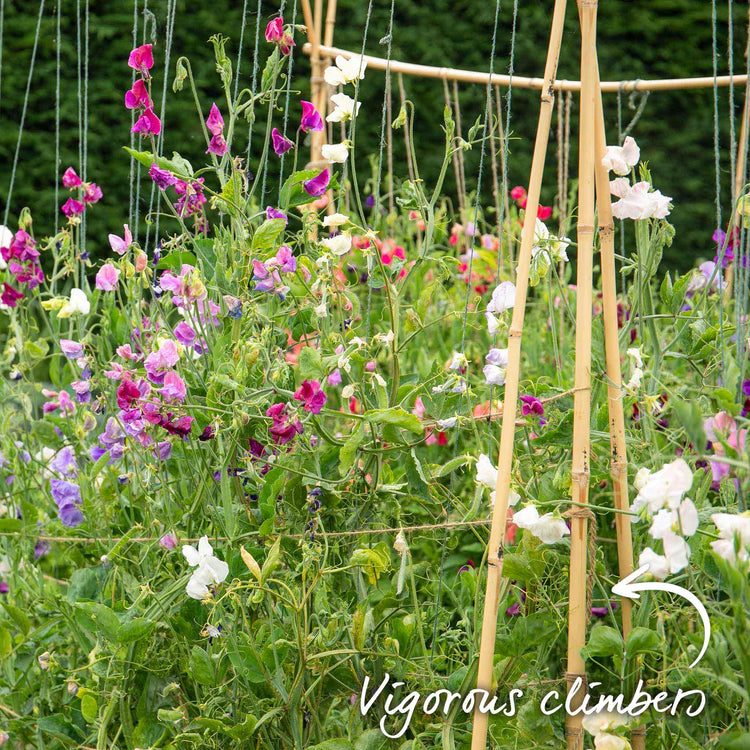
pixel 593 184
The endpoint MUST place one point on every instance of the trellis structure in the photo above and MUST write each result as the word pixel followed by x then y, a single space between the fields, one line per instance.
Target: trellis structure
pixel 593 192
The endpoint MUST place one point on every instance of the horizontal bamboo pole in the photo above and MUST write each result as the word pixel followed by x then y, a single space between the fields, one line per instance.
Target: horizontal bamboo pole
pixel 522 82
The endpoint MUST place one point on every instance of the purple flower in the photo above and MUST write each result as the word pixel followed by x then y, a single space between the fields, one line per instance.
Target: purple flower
pixel 274 213
pixel 41 549
pixel 68 497
pixel 316 186
pixel 286 260
pixel 207 434
pixel 284 428
pixel 746 388
pixel 370 201
pixel 162 177
pixel 4 588
pixel 281 144
pixel 334 378
pixel 72 208
pixel 64 462
pixel 168 541
pixel 184 333
pixel 311 119
pixel 531 406
pixel 71 349
pixel 163 450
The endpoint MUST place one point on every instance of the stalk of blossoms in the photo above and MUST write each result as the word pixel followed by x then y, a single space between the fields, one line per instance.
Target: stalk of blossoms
pixel 510 402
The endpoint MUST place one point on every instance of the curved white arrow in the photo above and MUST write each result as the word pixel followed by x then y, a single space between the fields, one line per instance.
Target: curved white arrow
pixel 628 589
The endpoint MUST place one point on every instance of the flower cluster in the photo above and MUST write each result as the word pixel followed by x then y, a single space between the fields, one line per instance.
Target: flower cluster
pixel 20 258
pixel 661 499
pixel 141 60
pixel 278 35
pixel 266 274
pixel 209 570
pixel 88 193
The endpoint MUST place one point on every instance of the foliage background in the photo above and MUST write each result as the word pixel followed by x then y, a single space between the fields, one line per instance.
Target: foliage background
pixel 668 38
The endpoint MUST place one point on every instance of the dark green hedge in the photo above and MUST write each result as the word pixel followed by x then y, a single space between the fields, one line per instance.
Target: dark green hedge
pixel 665 38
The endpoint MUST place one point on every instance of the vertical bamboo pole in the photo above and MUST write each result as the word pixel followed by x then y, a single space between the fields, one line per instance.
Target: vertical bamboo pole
pixel 324 88
pixel 313 36
pixel 579 514
pixel 510 400
pixel 618 448
pixel 318 138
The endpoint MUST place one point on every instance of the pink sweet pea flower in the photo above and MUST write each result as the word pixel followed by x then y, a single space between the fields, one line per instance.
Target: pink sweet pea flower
pixel 311 394
pixel 142 59
pixel 120 244
pixel 275 34
pixel 316 186
pixel 106 278
pixel 281 144
pixel 162 177
pixel 92 193
pixel 214 121
pixel 311 119
pixel 217 145
pixel 137 96
pixel 10 296
pixel 72 207
pixel 174 387
pixel 70 179
pixel 147 124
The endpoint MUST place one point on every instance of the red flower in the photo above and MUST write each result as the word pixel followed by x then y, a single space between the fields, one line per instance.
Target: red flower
pixel 10 296
pixel 544 212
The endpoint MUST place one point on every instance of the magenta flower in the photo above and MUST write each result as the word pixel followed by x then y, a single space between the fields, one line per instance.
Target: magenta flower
pixel 184 333
pixel 191 197
pixel 70 179
pixel 274 213
pixel 127 394
pixel 286 260
pixel 120 244
pixel 215 126
pixel 334 378
pixel 92 193
pixel 284 428
pixel 142 59
pixel 316 186
pixel 217 145
pixel 275 34
pixel 72 207
pixel 311 119
pixel 10 296
pixel 162 177
pixel 147 124
pixel 281 144
pixel 531 406
pixel 311 394
pixel 106 278
pixel 138 96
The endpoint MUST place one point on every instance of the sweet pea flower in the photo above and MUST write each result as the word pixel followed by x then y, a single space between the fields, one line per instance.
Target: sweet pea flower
pixel 664 488
pixel 274 213
pixel 345 70
pixel 168 541
pixel 162 177
pixel 312 396
pixel 147 124
pixel 72 208
pixel 486 473
pixel 71 349
pixel 215 126
pixel 285 427
pixel 67 496
pixel 547 528
pixel 503 298
pixel 311 119
pixel 657 564
pixel 548 244
pixel 106 278
pixel 120 245
pixel 208 568
pixel 70 179
pixel 78 304
pixel 638 201
pixel 316 186
pixel 275 34
pixel 338 244
pixel 142 59
pixel 518 194
pixel 344 108
pixel 337 153
pixel 531 406
pixel 10 296
pixel 92 193
pixel 621 159
pixel 174 387
pixel 334 221
pixel 734 532
pixel 137 96
pixel 281 144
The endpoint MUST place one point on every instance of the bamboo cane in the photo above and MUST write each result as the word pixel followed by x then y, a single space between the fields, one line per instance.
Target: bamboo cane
pixel 579 514
pixel 524 82
pixel 510 400
pixel 618 448
pixel 313 34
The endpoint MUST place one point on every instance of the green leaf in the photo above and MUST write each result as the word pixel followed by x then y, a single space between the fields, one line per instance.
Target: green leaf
pixel 10 524
pixel 271 561
pixel 735 741
pixel 89 707
pixel 202 667
pixel 269 72
pixel 134 630
pixel 348 451
pixel 18 616
pixel 177 164
pixel 642 640
pixel 310 364
pixel 337 744
pixel 603 641
pixel 397 417
pixel 175 260
pixel 690 416
pixel 267 234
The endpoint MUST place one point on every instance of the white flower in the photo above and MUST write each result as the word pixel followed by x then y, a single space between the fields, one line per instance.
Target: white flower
pixel 547 528
pixel 684 520
pixel 641 478
pixel 335 220
pixel 635 380
pixel 458 362
pixel 321 310
pixel 345 71
pixel 385 338
pixel 492 323
pixel 497 357
pixel 676 550
pixel 635 354
pixel 657 564
pixel 621 159
pixel 734 531
pixel 636 202
pixel 494 375
pixel 664 488
pixel 401 545
pixel 606 741
pixel 208 568
pixel 347 391
pixel 544 242
pixel 212 631
pixel 339 244
pixel 337 153
pixel 503 298
pixel 78 303
pixel 603 721
pixel 513 497
pixel 486 472
pixel 344 109
pixel 6 237
pixel 446 424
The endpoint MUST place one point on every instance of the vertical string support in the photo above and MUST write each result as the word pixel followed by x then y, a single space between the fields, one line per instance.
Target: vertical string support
pixel 579 513
pixel 510 401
